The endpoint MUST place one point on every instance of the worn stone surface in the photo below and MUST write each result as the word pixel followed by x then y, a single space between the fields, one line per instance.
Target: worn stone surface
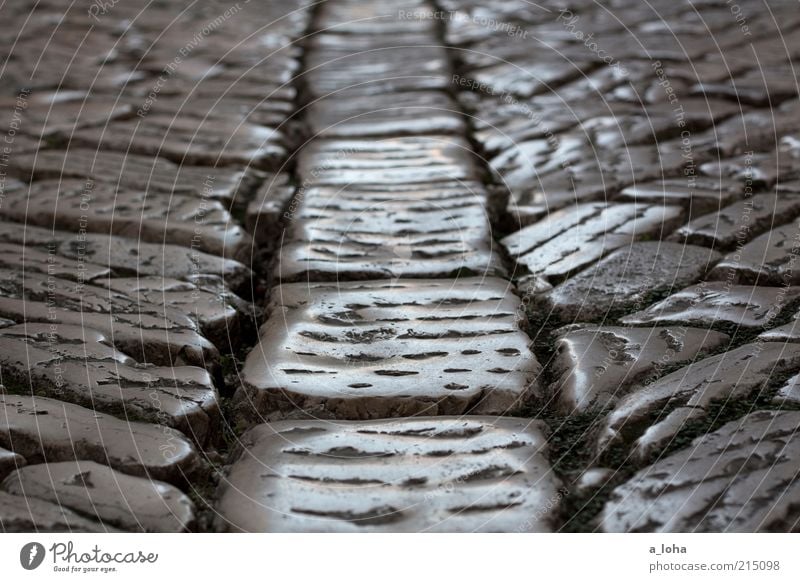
pixel 23 515
pixel 698 197
pixel 595 366
pixel 653 415
pixel 769 259
pixel 626 280
pixel 570 239
pixel 740 222
pixel 47 430
pixel 79 365
pixel 718 303
pixel 739 478
pixel 266 211
pixel 9 462
pixel 442 474
pixel 100 493
pixel 386 349
pixel 102 208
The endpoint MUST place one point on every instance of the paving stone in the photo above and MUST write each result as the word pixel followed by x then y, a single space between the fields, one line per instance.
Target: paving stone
pixel 653 416
pixel 767 260
pixel 100 493
pixel 125 257
pixel 374 233
pixel 697 196
pixel 626 280
pixel 412 113
pixel 79 365
pixel 220 315
pixel 716 303
pixel 385 349
pixel 739 478
pixel 9 462
pixel 31 260
pixel 740 222
pixel 46 430
pixel 215 141
pixel 570 239
pixel 23 515
pixel 134 172
pixel 389 161
pixel 204 225
pixel 149 333
pixel 442 474
pixel 595 366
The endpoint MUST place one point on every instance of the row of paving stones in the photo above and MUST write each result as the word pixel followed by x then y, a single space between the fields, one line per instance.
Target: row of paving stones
pixel 135 132
pixel 394 341
pixel 654 204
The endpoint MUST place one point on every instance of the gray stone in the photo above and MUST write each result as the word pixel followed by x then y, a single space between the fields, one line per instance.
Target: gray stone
pixel 595 366
pixel 23 515
pixel 100 493
pixel 739 478
pixel 445 474
pixel 386 349
pixel 716 303
pixel 45 430
pixel 9 462
pixel 626 280
pixel 655 414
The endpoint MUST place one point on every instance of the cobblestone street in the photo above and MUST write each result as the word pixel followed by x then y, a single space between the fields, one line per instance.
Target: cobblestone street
pixel 400 266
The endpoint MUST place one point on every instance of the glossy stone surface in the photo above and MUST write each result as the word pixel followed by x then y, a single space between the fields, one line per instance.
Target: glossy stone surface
pixel 387 349
pixel 739 478
pixel 444 474
pixel 103 494
pixel 595 366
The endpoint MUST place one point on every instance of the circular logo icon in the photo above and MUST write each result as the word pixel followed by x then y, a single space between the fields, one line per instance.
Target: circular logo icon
pixel 31 555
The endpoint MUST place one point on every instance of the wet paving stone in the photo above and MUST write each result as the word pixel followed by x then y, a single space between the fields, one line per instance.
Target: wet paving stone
pixel 47 430
pixel 182 140
pixel 698 197
pixel 769 259
pixel 9 462
pixel 739 478
pixel 570 239
pixel 626 280
pixel 265 212
pixel 100 493
pixel 79 365
pixel 388 349
pixel 127 170
pixel 597 365
pixel 652 416
pixel 102 208
pixel 720 304
pixel 23 515
pixel 153 333
pixel 441 474
pixel 740 222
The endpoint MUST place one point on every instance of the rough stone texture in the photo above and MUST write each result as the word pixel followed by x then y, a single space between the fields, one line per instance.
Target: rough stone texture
pixel 626 280
pixel 595 366
pixel 103 494
pixel 740 222
pixel 445 474
pixel 148 332
pixel 386 349
pixel 46 430
pixel 133 172
pixel 654 414
pixel 187 140
pixel 739 478
pixel 770 259
pixel 102 208
pixel 9 462
pixel 266 211
pixel 79 365
pixel 24 515
pixel 570 239
pixel 719 304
